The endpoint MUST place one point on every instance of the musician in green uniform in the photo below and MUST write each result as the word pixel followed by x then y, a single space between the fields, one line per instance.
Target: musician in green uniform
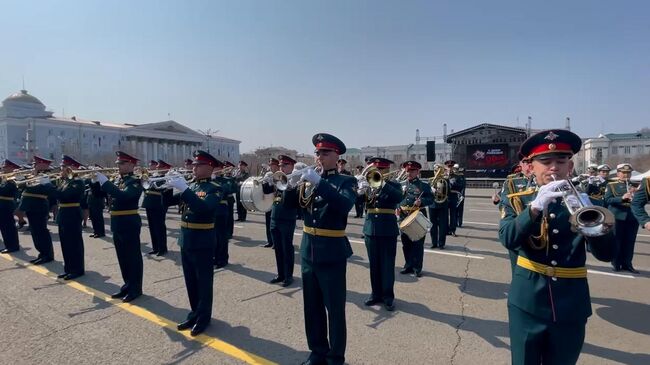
pixel 96 203
pixel 341 165
pixel 8 194
pixel 360 203
pixel 156 209
pixel 283 224
pixel 594 185
pixel 462 184
pixel 417 196
pixel 326 198
pixel 35 202
pixel 548 302
pixel 274 166
pixel 126 224
pixel 69 194
pixel 240 177
pixel 230 191
pixel 618 196
pixel 641 198
pixel 380 233
pixel 221 218
pixel 438 210
pixel 198 239
pixel 455 188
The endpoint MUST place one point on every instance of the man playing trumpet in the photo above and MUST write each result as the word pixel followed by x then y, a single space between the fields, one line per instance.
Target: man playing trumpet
pixel 8 194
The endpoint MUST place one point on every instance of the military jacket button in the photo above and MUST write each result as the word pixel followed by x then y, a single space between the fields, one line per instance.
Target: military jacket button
pixel 554 278
pixel 555 247
pixel 553 262
pixel 552 215
pixel 555 231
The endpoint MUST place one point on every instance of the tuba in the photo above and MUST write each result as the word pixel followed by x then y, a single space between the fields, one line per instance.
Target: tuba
pixel 586 219
pixel 439 185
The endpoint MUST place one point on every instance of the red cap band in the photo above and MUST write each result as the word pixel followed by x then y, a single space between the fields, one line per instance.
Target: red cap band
pixel 545 148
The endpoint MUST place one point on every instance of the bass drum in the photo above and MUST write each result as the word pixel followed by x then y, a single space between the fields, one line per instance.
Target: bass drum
pixel 253 197
pixel 415 226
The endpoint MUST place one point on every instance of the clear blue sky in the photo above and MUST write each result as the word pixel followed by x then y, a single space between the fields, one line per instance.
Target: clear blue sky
pixel 371 72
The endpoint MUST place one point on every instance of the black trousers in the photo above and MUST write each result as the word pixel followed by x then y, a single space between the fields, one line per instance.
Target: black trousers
pixel 381 254
pixel 282 233
pixel 359 204
pixel 97 219
pixel 157 228
pixel 40 234
pixel 438 217
pixel 241 211
pixel 199 276
pixel 461 210
pixel 8 229
pixel 413 252
pixel 324 290
pixel 126 237
pixel 221 249
pixel 626 231
pixel 231 216
pixel 267 225
pixel 72 244
pixel 453 214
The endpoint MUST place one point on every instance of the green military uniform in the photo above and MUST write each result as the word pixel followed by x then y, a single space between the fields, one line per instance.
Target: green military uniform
pixel 241 211
pixel 126 225
pixel 455 188
pixel 69 194
pixel 439 218
pixel 324 251
pixel 548 302
pixel 414 250
pixel 515 183
pixel 8 193
pixel 641 198
pixel 596 191
pixel 380 232
pixel 230 189
pixel 35 202
pixel 626 227
pixel 462 184
pixel 221 256
pixel 156 212
pixel 96 201
pixel 283 224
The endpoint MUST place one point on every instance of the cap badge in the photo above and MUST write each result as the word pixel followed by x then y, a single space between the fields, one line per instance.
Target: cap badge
pixel 551 136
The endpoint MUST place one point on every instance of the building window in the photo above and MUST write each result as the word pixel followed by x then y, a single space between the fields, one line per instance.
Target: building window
pixel 626 150
pixel 615 150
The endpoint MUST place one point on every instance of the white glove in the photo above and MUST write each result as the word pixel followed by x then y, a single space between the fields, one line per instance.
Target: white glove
pixel 44 180
pixel 268 178
pixel 547 194
pixel 177 183
pixel 311 176
pixel 101 178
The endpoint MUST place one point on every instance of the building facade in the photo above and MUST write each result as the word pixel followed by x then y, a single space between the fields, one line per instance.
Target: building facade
pixel 613 148
pixel 27 128
pixel 398 154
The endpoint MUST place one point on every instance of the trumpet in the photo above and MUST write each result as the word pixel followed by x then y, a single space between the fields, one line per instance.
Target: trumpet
pixel 586 219
pixel 148 182
pixel 224 171
pixel 283 181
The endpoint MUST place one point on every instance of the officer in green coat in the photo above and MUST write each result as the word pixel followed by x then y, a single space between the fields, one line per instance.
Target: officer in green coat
pixel 455 192
pixel 198 239
pixel 438 212
pixel 326 197
pixel 35 202
pixel 618 198
pixel 274 166
pixel 240 177
pixel 8 194
pixel 548 302
pixel 126 224
pixel 157 209
pixel 417 196
pixel 96 203
pixel 69 194
pixel 380 233
pixel 230 189
pixel 641 198
pixel 221 219
pixel 283 224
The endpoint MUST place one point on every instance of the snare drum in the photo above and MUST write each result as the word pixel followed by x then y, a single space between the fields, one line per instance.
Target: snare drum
pixel 415 226
pixel 253 197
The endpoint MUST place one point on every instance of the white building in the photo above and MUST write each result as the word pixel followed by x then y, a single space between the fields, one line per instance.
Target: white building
pixel 621 147
pixel 27 128
pixel 398 154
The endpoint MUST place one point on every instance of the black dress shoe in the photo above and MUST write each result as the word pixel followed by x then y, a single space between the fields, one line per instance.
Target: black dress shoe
pixel 72 276
pixel 313 362
pixel 34 260
pixel 43 260
pixel 119 294
pixel 6 250
pixel 441 247
pixel 100 235
pixel 152 252
pixel 198 329
pixel 616 268
pixel 161 253
pixel 61 276
pixel 268 244
pixel 185 325
pixel 371 301
pixel 221 265
pixel 287 282
pixel 130 297
pixel 276 279
pixel 92 235
pixel 632 269
pixel 390 306
pixel 454 234
pixel 418 273
pixel 406 271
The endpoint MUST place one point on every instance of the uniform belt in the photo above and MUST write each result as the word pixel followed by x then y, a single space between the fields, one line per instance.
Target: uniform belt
pixel 559 272
pixel 124 212
pixel 277 199
pixel 7 198
pixel 381 211
pixel 152 192
pixel 42 196
pixel 324 232
pixel 197 225
pixel 68 205
pixel 409 209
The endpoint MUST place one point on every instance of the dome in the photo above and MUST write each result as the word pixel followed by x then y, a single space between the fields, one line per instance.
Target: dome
pixel 22 97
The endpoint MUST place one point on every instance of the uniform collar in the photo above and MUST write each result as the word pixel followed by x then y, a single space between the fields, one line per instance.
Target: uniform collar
pixel 127 174
pixel 203 180
pixel 329 172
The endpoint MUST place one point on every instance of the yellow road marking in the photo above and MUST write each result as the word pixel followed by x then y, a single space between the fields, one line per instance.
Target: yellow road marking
pixel 206 340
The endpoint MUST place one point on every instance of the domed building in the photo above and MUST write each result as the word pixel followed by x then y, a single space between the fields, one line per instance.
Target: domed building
pixel 28 128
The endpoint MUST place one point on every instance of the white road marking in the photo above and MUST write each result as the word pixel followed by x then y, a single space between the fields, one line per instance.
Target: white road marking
pixel 484 223
pixel 454 254
pixel 610 274
pixel 495 210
